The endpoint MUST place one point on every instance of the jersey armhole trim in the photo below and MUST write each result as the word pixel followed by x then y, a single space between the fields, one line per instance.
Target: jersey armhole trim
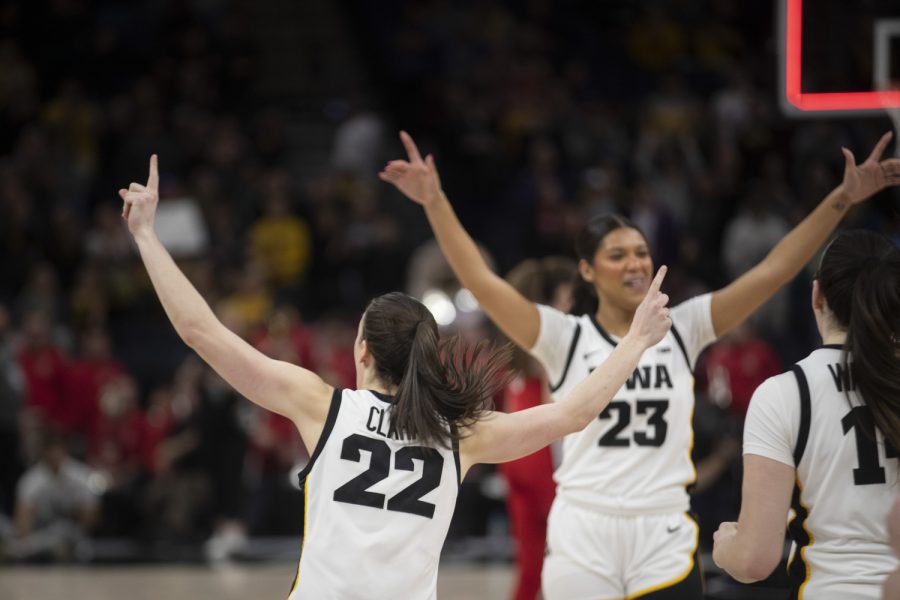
pixel 333 410
pixel 681 345
pixel 455 447
pixel 565 370
pixel 805 410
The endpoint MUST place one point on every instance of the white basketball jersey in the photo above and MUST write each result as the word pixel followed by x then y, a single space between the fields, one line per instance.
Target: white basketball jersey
pixel 377 509
pixel 846 476
pixel 635 457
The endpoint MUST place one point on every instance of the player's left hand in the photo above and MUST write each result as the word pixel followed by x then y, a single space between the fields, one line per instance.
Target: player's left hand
pixel 872 176
pixel 651 320
pixel 418 179
pixel 139 201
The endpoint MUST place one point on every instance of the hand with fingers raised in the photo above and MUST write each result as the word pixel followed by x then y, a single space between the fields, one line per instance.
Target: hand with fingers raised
pixel 651 320
pixel 139 202
pixel 864 180
pixel 418 179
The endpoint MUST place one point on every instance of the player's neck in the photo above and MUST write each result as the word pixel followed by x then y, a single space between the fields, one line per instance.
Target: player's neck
pixel 615 320
pixel 832 336
pixel 366 379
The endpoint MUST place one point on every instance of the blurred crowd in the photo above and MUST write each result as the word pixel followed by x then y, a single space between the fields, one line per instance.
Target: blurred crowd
pixel 540 114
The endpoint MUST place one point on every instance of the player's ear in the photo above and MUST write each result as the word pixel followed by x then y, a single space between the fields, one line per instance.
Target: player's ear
pixel 365 357
pixel 586 270
pixel 818 298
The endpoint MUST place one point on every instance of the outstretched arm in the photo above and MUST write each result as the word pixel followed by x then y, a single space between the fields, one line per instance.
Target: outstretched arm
pixel 502 437
pixel 733 304
pixel 418 179
pixel 287 389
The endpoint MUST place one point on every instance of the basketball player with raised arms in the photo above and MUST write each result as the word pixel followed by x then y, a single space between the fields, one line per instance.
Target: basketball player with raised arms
pixel 619 526
pixel 822 439
pixel 386 459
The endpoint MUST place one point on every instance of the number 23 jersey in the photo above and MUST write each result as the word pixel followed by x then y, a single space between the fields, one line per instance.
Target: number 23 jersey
pixel 376 508
pixel 634 458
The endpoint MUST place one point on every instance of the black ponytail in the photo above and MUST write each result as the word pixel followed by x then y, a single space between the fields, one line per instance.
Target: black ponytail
pixel 439 383
pixel 588 240
pixel 860 279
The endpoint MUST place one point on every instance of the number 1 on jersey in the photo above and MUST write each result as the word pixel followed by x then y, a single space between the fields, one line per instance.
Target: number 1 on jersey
pixel 869 471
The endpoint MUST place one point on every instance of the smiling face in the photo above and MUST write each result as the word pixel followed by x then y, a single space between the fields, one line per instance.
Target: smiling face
pixel 622 269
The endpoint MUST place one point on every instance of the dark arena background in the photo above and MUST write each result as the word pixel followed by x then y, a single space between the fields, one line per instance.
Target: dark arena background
pixel 271 120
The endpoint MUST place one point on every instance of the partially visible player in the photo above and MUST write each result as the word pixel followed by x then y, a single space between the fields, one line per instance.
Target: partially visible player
pixel 822 440
pixel 891 589
pixel 387 458
pixel 530 486
pixel 619 525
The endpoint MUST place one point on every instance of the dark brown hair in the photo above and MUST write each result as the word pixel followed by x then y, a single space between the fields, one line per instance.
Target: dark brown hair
pixel 860 279
pixel 587 242
pixel 440 383
pixel 537 280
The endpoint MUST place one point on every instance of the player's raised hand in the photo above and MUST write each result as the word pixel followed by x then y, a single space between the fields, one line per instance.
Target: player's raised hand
pixel 651 319
pixel 418 179
pixel 139 201
pixel 863 180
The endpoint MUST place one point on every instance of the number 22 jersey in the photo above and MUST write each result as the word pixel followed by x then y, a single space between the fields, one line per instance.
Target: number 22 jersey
pixel 376 508
pixel 634 458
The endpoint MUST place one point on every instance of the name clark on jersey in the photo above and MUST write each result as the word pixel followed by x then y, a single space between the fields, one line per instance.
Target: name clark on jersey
pixel 379 422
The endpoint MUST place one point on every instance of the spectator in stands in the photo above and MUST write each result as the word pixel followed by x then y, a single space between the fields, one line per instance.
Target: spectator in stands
pixel 56 507
pixel 11 400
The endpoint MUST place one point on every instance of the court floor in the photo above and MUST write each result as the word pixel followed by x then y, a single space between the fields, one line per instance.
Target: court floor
pixel 241 582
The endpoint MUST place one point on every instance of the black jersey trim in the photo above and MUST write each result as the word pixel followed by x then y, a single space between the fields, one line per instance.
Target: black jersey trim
pixel 296 581
pixel 833 346
pixel 330 420
pixel 382 397
pixel 612 342
pixel 565 370
pixel 798 569
pixel 805 409
pixel 602 331
pixel 455 445
pixel 326 431
pixel 681 345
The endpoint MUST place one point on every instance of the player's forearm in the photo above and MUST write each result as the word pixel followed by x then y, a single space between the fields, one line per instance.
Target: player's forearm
pixel 591 396
pixel 786 259
pixel 456 244
pixel 185 307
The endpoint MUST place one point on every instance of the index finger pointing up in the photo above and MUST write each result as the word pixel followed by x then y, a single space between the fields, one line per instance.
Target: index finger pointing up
pixel 881 145
pixel 410 146
pixel 657 281
pixel 153 178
